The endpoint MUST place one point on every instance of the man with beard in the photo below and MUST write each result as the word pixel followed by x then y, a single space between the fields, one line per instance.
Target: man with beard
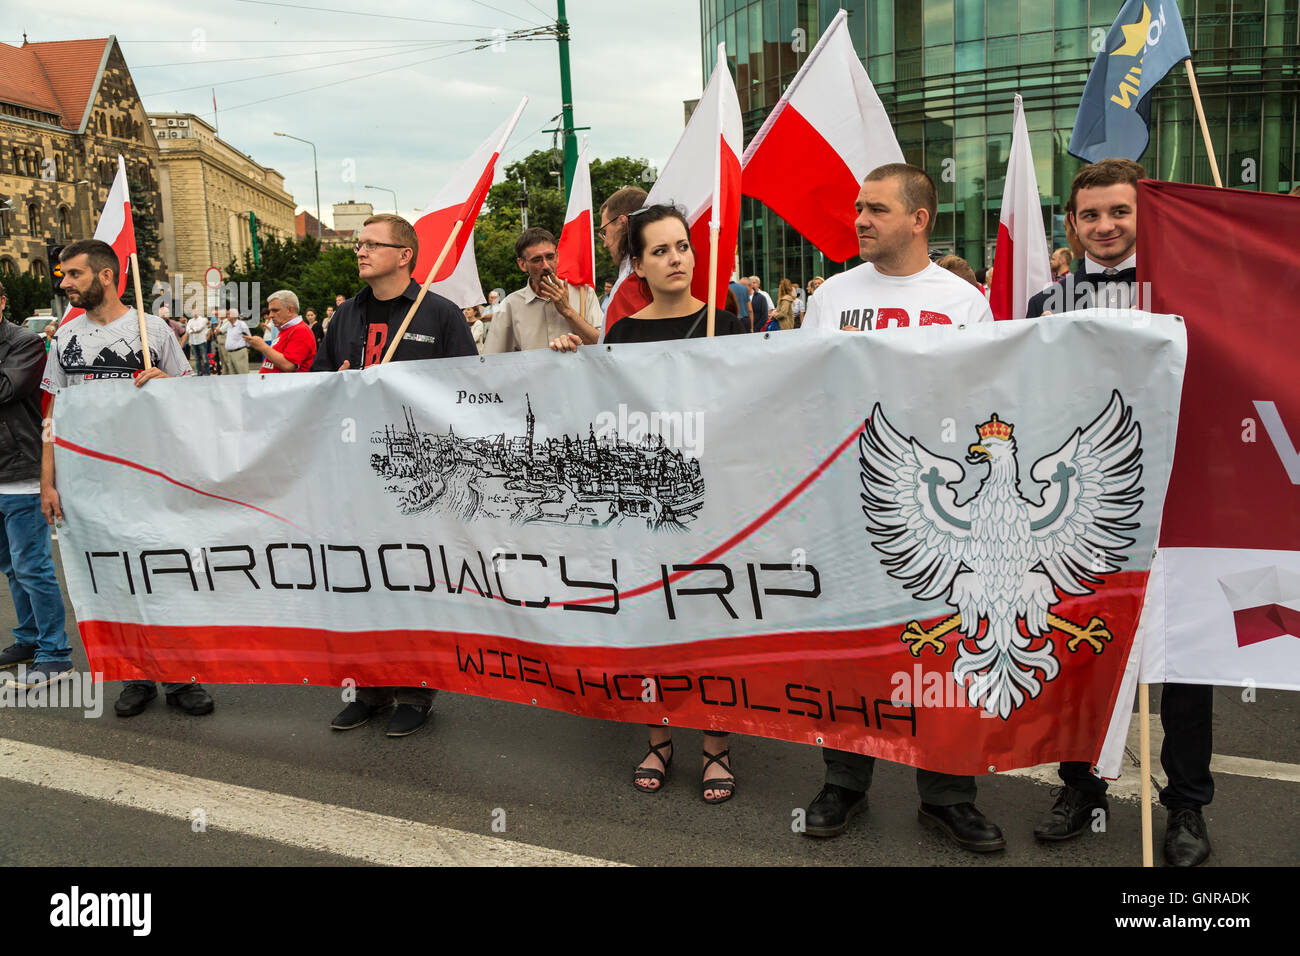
pixel 105 343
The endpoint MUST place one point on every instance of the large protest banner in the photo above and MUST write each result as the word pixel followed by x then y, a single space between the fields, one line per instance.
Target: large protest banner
pixel 1225 601
pixel 952 584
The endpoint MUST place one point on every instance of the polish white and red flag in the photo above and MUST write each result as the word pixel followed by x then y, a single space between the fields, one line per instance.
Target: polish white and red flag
pixel 702 178
pixel 1021 265
pixel 460 201
pixel 827 132
pixel 576 253
pixel 462 286
pixel 116 228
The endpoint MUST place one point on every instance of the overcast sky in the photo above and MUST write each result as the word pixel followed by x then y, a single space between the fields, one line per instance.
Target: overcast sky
pixel 435 100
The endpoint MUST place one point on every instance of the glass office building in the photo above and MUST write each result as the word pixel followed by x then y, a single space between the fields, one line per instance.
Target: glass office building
pixel 947 71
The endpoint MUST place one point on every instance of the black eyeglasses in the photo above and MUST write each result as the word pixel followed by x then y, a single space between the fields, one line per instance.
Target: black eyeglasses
pixel 370 245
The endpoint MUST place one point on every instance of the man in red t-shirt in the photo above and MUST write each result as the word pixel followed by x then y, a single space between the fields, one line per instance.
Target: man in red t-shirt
pixel 295 345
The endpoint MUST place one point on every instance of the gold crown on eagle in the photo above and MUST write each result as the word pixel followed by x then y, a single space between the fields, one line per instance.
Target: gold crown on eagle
pixel 995 429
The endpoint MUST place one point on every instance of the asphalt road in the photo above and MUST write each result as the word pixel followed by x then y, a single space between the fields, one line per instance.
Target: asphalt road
pixel 563 782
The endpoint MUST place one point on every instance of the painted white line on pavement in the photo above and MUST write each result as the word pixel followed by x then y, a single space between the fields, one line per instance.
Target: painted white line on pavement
pixel 1129 786
pixel 357 834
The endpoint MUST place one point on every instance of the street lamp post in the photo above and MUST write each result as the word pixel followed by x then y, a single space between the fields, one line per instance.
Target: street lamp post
pixel 315 167
pixel 386 190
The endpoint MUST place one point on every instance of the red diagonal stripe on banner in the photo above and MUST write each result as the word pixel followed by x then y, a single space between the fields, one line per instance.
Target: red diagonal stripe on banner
pixel 777 507
pixel 744 532
pixel 91 453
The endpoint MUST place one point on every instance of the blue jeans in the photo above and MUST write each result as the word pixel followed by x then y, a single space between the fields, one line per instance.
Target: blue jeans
pixel 26 561
pixel 201 351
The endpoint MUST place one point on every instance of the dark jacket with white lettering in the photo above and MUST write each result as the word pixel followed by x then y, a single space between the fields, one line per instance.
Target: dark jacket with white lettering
pixel 22 362
pixel 437 330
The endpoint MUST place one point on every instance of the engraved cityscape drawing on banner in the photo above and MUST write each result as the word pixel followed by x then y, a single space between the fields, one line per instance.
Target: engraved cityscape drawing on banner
pixel 593 481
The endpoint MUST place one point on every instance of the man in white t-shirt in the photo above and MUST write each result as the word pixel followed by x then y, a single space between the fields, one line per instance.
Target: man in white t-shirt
pixel 105 343
pixel 196 331
pixel 897 287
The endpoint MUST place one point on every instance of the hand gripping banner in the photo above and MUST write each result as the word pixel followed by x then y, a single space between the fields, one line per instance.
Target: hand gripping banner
pixel 931 544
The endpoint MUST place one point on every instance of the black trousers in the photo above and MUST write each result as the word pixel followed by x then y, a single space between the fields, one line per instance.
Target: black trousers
pixel 1187 717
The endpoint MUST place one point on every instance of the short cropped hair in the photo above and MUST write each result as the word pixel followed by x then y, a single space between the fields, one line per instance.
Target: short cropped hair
pixel 403 233
pixel 288 298
pixel 623 202
pixel 958 267
pixel 98 253
pixel 914 185
pixel 531 237
pixel 1105 172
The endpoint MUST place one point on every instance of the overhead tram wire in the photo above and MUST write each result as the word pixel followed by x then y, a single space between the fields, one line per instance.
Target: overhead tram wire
pixel 304 69
pixel 368 13
pixel 280 56
pixel 507 13
pixel 349 79
pixel 549 18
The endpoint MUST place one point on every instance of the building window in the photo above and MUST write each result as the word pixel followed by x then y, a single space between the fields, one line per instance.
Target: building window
pixel 65 224
pixel 33 219
pixel 38 268
pixel 4 223
pixel 8 267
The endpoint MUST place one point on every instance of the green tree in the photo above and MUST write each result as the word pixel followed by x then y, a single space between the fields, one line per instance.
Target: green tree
pixel 314 274
pixel 26 294
pixel 531 181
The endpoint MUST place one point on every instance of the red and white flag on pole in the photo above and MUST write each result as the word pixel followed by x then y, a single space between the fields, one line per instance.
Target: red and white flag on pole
pixel 704 166
pixel 576 252
pixel 116 228
pixel 828 131
pixel 462 286
pixel 460 200
pixel 1021 266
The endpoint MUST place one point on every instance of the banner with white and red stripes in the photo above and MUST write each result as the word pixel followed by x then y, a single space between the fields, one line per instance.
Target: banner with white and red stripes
pixel 605 533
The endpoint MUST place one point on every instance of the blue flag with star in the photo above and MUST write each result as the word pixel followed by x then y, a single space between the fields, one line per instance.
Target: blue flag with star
pixel 1145 42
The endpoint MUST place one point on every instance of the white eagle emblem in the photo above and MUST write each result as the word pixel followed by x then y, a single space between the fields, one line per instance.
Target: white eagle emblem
pixel 998 556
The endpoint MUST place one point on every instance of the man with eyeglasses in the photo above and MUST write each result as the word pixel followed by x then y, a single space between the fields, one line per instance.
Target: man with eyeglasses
pixel 545 308
pixel 359 336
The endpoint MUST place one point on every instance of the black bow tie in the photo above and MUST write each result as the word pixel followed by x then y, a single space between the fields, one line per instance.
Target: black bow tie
pixel 1122 275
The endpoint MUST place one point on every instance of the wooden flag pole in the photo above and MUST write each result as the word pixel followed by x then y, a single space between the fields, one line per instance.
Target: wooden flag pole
pixel 410 313
pixel 1144 759
pixel 714 230
pixel 1205 129
pixel 139 313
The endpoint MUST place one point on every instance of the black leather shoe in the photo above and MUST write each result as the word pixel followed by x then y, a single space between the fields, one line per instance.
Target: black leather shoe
pixel 1071 814
pixel 832 809
pixel 353 715
pixel 194 700
pixel 1186 842
pixel 407 719
pixel 134 699
pixel 16 654
pixel 964 825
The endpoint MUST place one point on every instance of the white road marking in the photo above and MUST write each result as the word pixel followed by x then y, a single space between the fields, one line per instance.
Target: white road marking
pixel 357 834
pixel 1129 786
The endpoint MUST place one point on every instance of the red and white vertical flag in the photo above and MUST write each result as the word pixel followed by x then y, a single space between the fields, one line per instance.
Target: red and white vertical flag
pixel 576 252
pixel 702 178
pixel 116 228
pixel 1021 266
pixel 460 201
pixel 826 133
pixel 462 286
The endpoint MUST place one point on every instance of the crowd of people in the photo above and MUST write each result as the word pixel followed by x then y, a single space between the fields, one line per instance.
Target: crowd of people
pixel 897 285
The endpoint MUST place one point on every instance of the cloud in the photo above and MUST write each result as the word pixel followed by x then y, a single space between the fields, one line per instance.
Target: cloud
pixel 405 117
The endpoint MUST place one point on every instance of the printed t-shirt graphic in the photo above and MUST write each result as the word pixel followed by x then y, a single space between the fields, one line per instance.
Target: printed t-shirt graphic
pixel 84 351
pixel 867 299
